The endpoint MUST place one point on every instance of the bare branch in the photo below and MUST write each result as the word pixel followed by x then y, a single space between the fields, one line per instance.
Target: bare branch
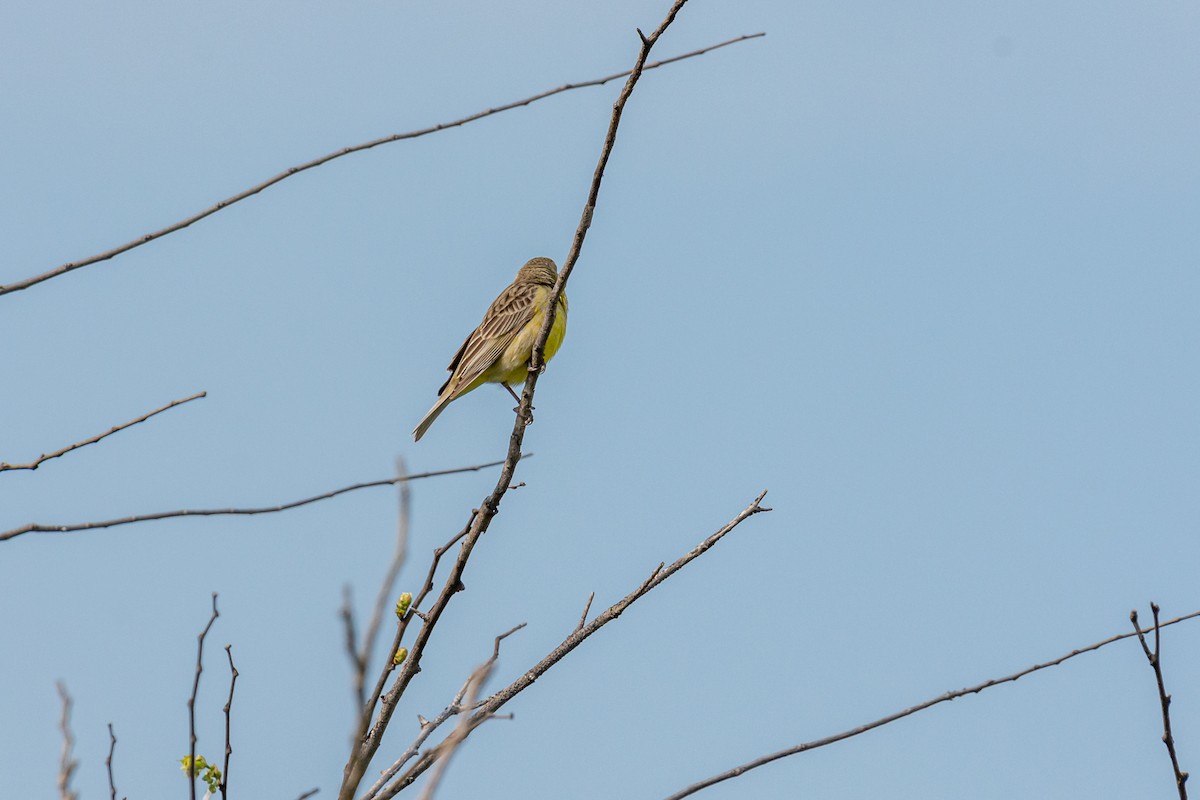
pixel 368 744
pixel 586 609
pixel 67 762
pixel 357 665
pixel 459 706
pixel 34 527
pixel 450 746
pixel 112 748
pixel 44 457
pixel 1164 699
pixel 345 151
pixel 390 665
pixel 233 676
pixel 493 703
pixel 191 704
pixel 308 794
pixel 388 587
pixel 837 737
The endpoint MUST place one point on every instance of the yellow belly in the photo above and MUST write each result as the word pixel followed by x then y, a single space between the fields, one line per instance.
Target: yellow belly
pixel 513 365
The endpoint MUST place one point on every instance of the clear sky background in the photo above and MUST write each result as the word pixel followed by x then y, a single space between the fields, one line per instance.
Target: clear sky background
pixel 927 271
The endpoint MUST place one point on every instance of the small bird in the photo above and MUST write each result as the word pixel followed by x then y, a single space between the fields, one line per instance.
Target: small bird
pixel 499 350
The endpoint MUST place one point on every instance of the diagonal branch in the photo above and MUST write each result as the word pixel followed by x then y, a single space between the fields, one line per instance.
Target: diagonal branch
pixel 34 527
pixel 365 747
pixel 345 151
pixel 44 457
pixel 492 704
pixel 466 723
pixel 837 737
pixel 1164 699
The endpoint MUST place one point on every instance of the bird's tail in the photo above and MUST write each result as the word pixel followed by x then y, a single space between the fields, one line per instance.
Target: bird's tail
pixel 428 419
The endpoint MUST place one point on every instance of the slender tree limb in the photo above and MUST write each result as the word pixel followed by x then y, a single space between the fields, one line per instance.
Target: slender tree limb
pixel 357 666
pixel 34 527
pixel 233 676
pixel 388 587
pixel 308 794
pixel 191 704
pixel 345 151
pixel 463 729
pixel 1164 699
pixel 44 457
pixel 360 658
pixel 108 762
pixel 390 665
pixel 67 762
pixel 364 750
pixel 493 703
pixel 890 718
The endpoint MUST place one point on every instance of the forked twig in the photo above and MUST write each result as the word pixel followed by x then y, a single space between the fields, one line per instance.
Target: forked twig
pixel 1164 699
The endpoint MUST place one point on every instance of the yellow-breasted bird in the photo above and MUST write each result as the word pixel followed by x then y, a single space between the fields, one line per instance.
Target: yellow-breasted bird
pixel 499 350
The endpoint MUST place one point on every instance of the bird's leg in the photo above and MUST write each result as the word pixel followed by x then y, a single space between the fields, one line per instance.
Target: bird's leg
pixel 517 397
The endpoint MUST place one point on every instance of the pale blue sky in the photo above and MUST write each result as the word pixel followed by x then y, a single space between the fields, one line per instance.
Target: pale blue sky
pixel 928 272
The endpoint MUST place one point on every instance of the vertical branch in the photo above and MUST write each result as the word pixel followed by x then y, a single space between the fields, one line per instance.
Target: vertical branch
pixel 191 704
pixel 233 676
pixel 360 658
pixel 1155 659
pixel 112 747
pixel 388 587
pixel 356 663
pixel 67 762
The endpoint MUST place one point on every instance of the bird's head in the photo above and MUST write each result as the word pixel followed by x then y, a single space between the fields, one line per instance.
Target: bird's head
pixel 538 270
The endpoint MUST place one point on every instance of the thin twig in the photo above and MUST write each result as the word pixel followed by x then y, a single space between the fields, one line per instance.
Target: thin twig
pixel 427 729
pixel 367 745
pixel 463 729
pixel 214 512
pixel 464 702
pixel 890 718
pixel 1164 699
pixel 357 665
pixel 316 162
pixel 67 763
pixel 453 708
pixel 44 457
pixel 308 794
pixel 112 748
pixel 233 676
pixel 368 709
pixel 493 703
pixel 191 704
pixel 586 609
pixel 388 586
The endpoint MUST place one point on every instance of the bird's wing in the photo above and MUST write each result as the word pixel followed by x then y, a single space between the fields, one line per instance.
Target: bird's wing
pixel 508 314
